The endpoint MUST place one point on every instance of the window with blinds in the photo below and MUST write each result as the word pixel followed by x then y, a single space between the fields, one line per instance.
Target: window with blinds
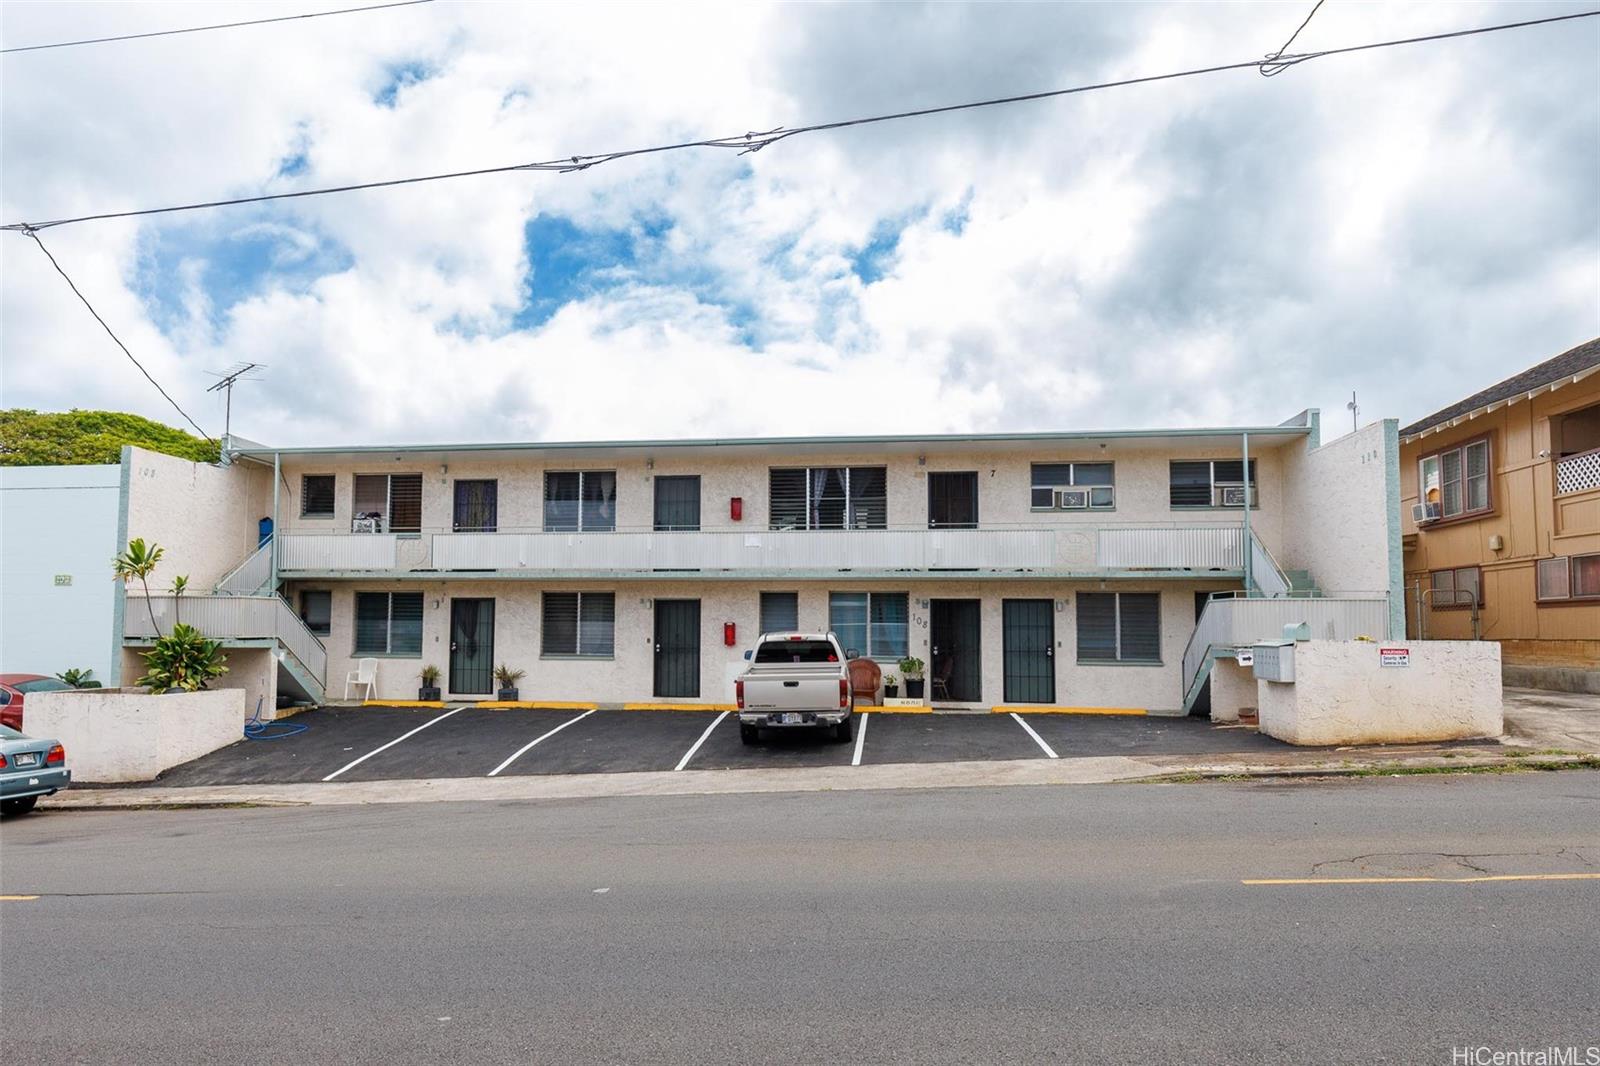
pixel 316 496
pixel 1455 482
pixel 389 623
pixel 1210 483
pixel 580 500
pixel 873 624
pixel 828 497
pixel 780 612
pixel 1575 577
pixel 578 624
pixel 1119 627
pixel 386 503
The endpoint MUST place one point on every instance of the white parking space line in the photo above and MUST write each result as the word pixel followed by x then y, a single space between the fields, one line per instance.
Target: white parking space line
pixel 861 738
pixel 1048 750
pixel 520 752
pixel 690 753
pixel 392 743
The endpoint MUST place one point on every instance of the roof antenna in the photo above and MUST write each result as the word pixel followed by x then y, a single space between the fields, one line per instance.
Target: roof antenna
pixel 230 377
pixel 1355 412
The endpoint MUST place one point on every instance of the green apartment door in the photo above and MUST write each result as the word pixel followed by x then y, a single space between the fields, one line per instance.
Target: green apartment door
pixel 1028 650
pixel 956 667
pixel 677 648
pixel 471 646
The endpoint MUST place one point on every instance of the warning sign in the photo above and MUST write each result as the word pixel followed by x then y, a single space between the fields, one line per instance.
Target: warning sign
pixel 1394 656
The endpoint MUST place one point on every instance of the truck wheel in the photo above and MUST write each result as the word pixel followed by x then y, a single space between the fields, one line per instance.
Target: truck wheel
pixel 750 734
pixel 844 730
pixel 18 806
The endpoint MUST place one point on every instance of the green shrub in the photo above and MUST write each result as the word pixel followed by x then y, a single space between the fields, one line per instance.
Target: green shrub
pixel 183 659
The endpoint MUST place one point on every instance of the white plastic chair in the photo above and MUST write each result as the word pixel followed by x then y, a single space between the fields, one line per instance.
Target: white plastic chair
pixel 365 673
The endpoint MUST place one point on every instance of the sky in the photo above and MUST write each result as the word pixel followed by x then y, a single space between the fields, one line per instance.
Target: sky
pixel 1411 224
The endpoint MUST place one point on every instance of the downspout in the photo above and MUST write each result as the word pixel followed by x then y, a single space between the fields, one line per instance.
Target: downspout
pixel 277 484
pixel 1248 546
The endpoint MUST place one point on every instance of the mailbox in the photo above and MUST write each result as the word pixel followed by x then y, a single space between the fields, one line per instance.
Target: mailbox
pixel 1274 661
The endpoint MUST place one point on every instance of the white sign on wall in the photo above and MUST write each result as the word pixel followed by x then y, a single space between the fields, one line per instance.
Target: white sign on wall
pixel 63 579
pixel 1394 656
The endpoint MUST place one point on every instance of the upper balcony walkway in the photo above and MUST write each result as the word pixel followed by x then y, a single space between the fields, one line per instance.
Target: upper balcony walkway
pixel 1059 551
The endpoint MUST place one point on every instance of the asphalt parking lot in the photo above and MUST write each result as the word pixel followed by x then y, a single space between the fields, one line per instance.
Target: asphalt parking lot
pixel 400 743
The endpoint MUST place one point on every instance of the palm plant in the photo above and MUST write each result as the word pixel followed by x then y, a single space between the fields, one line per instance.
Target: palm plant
pixel 139 562
pixel 180 585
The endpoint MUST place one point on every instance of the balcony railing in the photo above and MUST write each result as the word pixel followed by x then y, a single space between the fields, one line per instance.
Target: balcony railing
pixel 1062 548
pixel 1575 473
pixel 228 618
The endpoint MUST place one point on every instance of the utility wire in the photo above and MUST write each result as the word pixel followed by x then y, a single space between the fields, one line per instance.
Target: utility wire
pixel 217 26
pixel 114 337
pixel 1271 66
pixel 755 141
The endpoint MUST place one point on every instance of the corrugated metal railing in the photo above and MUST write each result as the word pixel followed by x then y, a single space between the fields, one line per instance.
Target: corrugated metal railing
pixel 1064 548
pixel 1235 623
pixel 229 617
pixel 1264 570
pixel 250 576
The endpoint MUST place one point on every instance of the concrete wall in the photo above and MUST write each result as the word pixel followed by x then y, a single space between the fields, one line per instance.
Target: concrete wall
pixel 1004 481
pixel 1342 695
pixel 204 516
pixel 251 670
pixel 1233 689
pixel 1337 510
pixel 114 735
pixel 58 523
pixel 628 676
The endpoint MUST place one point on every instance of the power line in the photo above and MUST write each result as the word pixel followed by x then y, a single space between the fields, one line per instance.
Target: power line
pixel 217 26
pixel 755 141
pixel 1271 67
pixel 114 337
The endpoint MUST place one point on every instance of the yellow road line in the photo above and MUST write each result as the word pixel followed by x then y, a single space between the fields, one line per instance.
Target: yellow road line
pixel 1030 708
pixel 536 705
pixel 18 897
pixel 680 706
pixel 1418 880
pixel 402 703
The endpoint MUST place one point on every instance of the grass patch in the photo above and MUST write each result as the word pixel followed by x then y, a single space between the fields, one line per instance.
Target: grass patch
pixel 1581 762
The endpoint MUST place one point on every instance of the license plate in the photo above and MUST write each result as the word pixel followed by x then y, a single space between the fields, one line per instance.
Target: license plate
pixel 791 719
pixel 27 758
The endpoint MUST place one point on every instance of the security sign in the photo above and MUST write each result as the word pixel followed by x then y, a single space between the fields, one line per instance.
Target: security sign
pixel 1394 656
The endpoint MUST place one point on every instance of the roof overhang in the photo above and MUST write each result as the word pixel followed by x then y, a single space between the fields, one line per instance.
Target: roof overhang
pixel 1490 408
pixel 986 443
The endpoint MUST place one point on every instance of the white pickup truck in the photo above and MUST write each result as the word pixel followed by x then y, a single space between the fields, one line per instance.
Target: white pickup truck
pixel 795 680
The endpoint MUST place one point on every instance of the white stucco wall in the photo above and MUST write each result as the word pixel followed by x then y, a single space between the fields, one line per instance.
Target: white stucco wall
pixel 253 671
pixel 203 516
pixel 1335 513
pixel 1342 695
pixel 628 676
pixel 58 521
pixel 1233 688
pixel 128 735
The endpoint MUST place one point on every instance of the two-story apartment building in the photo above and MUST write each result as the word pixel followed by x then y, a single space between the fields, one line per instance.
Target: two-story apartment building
pixel 1501 506
pixel 1049 568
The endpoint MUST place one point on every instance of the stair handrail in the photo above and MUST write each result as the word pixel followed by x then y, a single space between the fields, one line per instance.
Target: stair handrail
pixel 237 582
pixel 1261 553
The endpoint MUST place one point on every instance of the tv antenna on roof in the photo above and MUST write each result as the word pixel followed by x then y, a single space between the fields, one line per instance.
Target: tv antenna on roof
pixel 230 377
pixel 1355 412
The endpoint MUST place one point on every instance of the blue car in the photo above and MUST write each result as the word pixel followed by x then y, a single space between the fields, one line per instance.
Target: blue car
pixel 30 767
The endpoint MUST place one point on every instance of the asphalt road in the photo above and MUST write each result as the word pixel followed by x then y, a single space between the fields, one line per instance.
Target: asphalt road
pixel 1040 924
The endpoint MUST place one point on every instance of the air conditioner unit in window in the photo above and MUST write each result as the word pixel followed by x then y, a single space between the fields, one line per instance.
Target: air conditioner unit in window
pixel 1230 495
pixel 1072 499
pixel 1423 513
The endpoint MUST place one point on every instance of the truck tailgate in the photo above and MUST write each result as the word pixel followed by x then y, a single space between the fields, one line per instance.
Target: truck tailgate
pixel 792 688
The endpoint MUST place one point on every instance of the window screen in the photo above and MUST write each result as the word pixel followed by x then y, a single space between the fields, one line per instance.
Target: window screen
pixel 388 623
pixel 828 497
pixel 1097 479
pixel 1119 627
pixel 873 624
pixel 585 500
pixel 1586 575
pixel 1456 482
pixel 1555 582
pixel 780 612
pixel 579 623
pixel 316 496
pixel 316 610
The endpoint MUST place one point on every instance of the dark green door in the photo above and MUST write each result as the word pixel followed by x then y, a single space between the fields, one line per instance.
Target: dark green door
pixel 956 669
pixel 472 646
pixel 677 503
pixel 677 648
pixel 1028 648
pixel 953 500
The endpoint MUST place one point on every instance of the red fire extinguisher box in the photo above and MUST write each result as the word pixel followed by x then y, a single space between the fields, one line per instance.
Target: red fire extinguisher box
pixel 736 508
pixel 730 634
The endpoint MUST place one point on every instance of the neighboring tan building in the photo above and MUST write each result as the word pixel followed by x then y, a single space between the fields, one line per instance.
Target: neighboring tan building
pixel 1500 505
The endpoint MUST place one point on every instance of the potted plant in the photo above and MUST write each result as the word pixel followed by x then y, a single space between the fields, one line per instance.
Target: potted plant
pixel 430 683
pixel 507 679
pixel 911 667
pixel 891 686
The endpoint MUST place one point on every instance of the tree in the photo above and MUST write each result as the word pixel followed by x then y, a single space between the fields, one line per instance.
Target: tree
pixel 75 438
pixel 139 562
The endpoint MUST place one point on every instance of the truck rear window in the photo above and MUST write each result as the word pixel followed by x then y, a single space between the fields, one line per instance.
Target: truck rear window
pixel 796 651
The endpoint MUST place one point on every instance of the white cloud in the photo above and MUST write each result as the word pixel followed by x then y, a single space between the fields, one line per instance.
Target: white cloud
pixel 1223 250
